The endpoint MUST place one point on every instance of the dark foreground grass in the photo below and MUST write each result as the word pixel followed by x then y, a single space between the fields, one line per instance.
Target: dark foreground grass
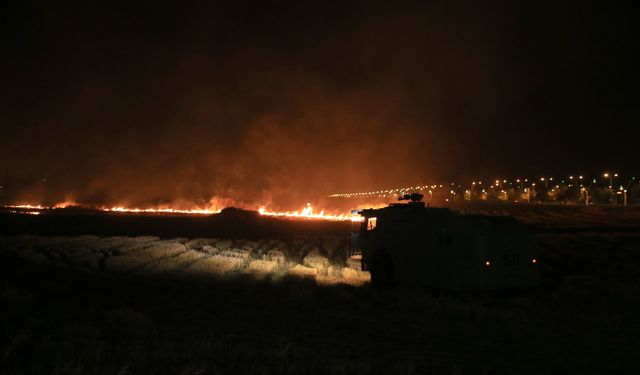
pixel 583 320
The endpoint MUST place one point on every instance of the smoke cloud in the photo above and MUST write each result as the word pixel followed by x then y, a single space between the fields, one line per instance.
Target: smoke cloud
pixel 243 105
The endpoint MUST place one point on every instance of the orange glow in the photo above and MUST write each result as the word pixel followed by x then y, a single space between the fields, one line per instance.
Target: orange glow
pixel 116 209
pixel 65 204
pixel 27 206
pixel 487 263
pixel 306 213
pixel 160 210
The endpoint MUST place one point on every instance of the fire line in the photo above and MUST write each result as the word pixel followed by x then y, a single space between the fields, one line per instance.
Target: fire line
pixel 306 213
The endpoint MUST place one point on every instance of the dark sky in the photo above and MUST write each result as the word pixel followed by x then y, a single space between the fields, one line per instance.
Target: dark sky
pixel 280 102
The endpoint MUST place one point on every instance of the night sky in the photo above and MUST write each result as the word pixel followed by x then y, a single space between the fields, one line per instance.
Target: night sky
pixel 279 102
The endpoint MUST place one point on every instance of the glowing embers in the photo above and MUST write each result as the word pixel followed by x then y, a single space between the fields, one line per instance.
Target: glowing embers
pixel 307 213
pixel 27 206
pixel 196 211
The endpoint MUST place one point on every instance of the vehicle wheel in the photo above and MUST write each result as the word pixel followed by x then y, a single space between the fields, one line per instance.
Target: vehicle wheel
pixel 382 270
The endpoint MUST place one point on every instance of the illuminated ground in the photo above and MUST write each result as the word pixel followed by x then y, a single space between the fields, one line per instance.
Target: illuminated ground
pixel 289 304
pixel 322 259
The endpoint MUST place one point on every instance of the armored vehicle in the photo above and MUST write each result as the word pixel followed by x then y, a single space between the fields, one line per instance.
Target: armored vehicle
pixel 410 244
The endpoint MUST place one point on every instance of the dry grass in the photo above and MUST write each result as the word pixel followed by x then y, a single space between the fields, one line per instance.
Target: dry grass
pixel 276 306
pixel 203 257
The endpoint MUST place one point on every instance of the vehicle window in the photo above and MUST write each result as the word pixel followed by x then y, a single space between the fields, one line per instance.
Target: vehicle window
pixel 372 222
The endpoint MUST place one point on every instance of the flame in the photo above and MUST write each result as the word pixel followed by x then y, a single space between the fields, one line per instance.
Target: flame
pixel 307 211
pixel 197 211
pixel 27 206
pixel 65 204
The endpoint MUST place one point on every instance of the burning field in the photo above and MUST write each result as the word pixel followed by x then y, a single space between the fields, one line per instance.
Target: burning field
pixel 178 183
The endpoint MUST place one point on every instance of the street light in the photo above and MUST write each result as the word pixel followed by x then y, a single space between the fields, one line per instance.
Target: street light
pixel 546 183
pixel 519 183
pixel 586 195
pixel 627 188
pixel 610 176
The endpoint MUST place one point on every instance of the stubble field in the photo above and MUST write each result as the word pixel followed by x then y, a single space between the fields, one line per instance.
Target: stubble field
pixel 290 303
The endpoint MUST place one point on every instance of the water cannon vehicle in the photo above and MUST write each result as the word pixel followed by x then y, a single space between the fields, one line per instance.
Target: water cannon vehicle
pixel 410 244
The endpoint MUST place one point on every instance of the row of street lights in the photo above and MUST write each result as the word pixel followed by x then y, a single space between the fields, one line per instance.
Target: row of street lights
pixel 526 185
